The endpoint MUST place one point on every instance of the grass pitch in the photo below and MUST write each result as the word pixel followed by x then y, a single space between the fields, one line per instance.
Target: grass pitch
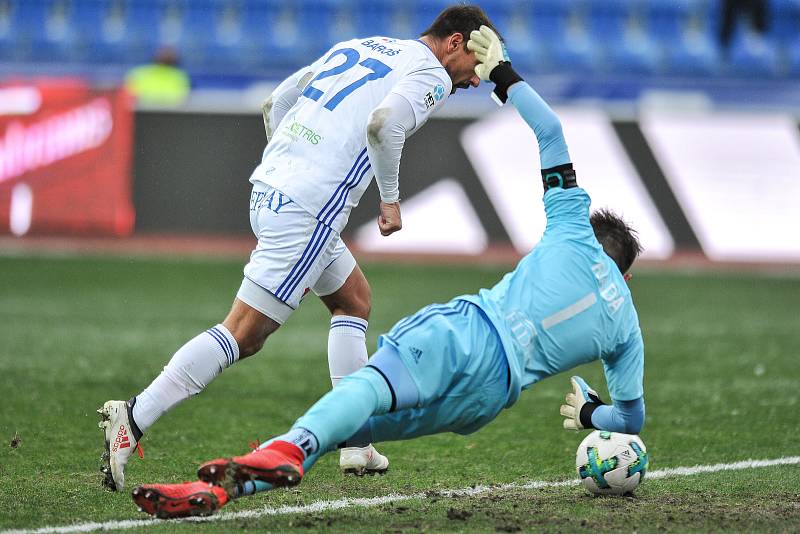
pixel 721 385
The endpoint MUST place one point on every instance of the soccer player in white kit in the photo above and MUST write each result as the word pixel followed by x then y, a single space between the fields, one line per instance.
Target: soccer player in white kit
pixel 331 127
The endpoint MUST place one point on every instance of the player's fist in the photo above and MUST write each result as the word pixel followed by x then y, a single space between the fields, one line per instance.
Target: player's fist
pixel 580 395
pixel 389 220
pixel 489 50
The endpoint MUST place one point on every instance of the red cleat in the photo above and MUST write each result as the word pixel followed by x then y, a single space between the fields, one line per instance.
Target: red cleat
pixel 280 463
pixel 167 501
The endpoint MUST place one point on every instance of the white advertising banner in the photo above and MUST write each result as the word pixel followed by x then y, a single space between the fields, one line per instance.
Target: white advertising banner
pixel 505 155
pixel 438 220
pixel 737 178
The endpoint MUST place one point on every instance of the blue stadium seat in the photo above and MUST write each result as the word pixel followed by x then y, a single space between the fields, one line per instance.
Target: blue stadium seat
pixel 784 21
pixel 559 29
pixel 46 30
pixel 213 37
pixel 289 38
pixel 374 17
pixel 752 55
pixel 513 21
pixel 619 30
pixel 686 32
pixel 793 60
pixel 103 31
pixel 9 30
pixel 146 29
pixel 694 54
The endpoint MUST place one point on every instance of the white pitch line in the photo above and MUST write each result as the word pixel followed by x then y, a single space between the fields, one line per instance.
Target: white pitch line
pixel 322 506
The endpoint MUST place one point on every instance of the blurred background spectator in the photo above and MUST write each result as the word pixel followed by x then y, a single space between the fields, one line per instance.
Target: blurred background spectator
pixel 161 83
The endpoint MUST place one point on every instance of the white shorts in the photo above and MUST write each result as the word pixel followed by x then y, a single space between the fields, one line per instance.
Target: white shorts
pixel 295 253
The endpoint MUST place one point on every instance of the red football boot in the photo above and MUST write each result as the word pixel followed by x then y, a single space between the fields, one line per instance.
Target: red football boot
pixel 167 501
pixel 280 463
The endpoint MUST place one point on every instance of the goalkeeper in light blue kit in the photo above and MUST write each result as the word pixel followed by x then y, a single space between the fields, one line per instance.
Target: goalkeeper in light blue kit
pixel 454 367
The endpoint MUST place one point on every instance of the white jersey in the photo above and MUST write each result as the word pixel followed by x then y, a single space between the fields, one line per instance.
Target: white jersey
pixel 317 155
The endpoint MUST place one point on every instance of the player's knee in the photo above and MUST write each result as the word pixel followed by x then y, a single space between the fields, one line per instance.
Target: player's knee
pixel 355 299
pixel 360 304
pixel 250 336
pixel 250 343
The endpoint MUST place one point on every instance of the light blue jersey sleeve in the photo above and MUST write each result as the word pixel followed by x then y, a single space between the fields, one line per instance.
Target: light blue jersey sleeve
pixel 567 207
pixel 624 370
pixel 623 416
pixel 544 123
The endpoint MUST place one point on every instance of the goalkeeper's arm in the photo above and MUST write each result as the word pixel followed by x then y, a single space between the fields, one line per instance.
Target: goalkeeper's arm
pixel 584 409
pixel 509 86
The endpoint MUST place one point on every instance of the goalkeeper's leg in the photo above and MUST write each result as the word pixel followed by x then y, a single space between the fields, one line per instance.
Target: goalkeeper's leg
pixel 284 460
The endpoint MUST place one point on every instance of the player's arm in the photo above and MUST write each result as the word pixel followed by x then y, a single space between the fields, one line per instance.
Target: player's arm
pixel 494 66
pixel 388 127
pixel 585 409
pixel 409 104
pixel 277 104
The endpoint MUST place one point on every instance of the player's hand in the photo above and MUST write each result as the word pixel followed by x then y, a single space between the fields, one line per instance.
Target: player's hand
pixel 389 220
pixel 489 50
pixel 580 395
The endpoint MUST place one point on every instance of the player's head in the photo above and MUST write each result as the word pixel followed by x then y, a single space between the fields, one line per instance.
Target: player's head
pixel 451 31
pixel 618 239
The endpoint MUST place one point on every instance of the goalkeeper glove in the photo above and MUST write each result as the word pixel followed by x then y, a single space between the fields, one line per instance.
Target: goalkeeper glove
pixel 581 402
pixel 489 50
pixel 494 63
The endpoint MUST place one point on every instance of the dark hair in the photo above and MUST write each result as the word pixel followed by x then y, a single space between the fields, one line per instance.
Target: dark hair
pixel 461 19
pixel 618 239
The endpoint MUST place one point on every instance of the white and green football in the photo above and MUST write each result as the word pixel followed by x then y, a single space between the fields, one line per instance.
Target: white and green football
pixel 610 463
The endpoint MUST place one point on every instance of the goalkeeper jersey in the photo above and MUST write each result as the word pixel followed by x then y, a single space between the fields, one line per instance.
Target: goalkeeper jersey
pixel 318 153
pixel 565 304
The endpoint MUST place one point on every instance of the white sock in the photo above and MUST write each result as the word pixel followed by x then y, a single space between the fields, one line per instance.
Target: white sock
pixel 347 346
pixel 190 370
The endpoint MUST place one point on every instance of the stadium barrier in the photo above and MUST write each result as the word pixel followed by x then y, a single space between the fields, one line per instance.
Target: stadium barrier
pixel 65 153
pixel 726 184
pixel 723 183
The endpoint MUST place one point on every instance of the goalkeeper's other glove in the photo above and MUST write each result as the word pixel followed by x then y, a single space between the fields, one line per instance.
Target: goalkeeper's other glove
pixel 581 402
pixel 494 64
pixel 489 50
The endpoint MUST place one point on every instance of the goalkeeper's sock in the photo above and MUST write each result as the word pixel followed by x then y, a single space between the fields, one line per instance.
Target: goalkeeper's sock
pixel 189 371
pixel 335 417
pixel 347 346
pixel 302 435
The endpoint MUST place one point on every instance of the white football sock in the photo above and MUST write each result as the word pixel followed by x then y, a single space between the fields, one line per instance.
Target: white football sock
pixel 190 370
pixel 347 346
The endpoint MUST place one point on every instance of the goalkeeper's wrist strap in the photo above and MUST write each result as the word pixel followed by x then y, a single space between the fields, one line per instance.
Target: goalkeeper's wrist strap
pixel 587 410
pixel 562 176
pixel 503 77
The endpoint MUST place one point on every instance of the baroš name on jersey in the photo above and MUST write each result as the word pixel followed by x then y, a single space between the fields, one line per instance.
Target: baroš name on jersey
pixel 375 46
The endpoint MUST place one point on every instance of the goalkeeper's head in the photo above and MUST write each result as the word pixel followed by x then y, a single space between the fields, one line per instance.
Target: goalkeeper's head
pixel 619 240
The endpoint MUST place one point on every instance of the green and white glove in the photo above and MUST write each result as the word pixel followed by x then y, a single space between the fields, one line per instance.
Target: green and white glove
pixel 581 402
pixel 489 50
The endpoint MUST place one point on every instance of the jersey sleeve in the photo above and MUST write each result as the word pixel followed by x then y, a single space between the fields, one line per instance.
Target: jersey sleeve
pixel 567 206
pixel 426 89
pixel 624 370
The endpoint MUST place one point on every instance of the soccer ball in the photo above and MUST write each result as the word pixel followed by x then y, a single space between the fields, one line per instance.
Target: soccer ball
pixel 609 463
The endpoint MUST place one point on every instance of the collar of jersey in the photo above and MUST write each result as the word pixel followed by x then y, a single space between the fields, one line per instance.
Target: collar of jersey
pixel 423 43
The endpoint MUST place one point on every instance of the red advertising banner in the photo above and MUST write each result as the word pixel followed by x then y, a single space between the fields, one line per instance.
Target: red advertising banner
pixel 65 160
